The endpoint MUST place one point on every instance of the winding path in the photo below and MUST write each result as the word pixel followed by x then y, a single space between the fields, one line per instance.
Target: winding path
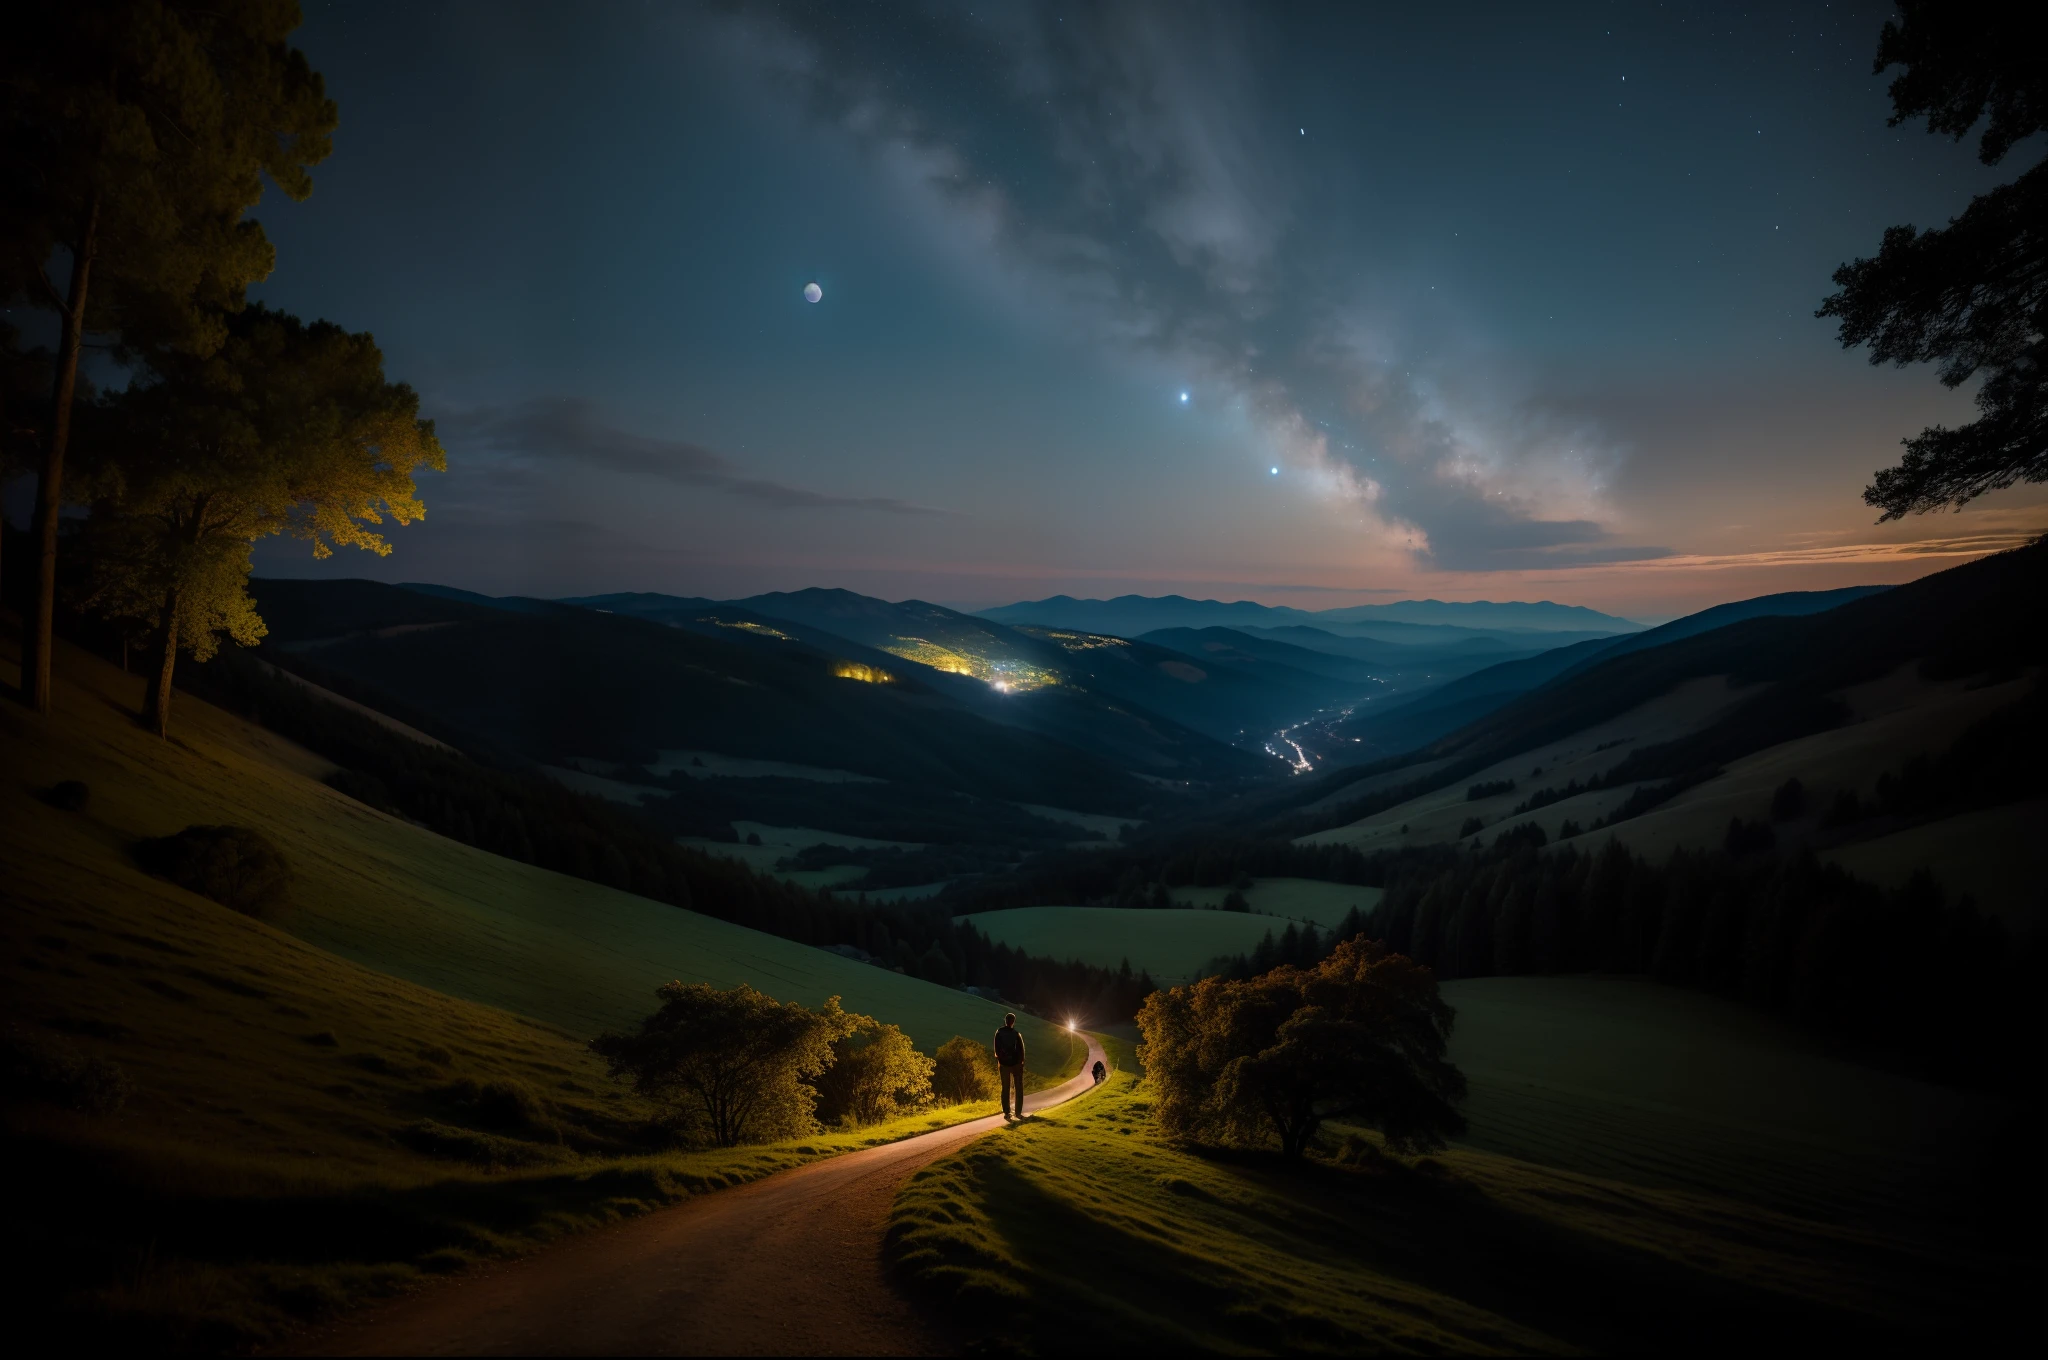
pixel 787 1265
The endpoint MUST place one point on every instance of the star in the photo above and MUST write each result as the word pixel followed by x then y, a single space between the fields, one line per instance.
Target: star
pixel 1276 472
pixel 1183 398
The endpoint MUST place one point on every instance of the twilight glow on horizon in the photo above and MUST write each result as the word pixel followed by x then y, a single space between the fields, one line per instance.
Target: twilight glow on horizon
pixel 982 303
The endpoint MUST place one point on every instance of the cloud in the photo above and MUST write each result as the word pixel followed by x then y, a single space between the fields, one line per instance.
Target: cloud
pixel 1132 167
pixel 568 429
pixel 1912 550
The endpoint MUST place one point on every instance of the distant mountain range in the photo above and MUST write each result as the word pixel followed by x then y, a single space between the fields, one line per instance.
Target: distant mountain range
pixel 954 703
pixel 1133 615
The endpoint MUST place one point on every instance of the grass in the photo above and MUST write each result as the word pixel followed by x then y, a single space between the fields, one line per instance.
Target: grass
pixel 381 892
pixel 1171 944
pixel 1591 752
pixel 1893 719
pixel 1659 1087
pixel 1296 899
pixel 1995 856
pixel 386 1081
pixel 1085 1222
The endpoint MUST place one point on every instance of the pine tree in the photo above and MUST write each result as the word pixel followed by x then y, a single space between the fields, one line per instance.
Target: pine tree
pixel 134 136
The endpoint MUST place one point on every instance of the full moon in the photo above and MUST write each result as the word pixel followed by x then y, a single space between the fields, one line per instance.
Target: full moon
pixel 812 292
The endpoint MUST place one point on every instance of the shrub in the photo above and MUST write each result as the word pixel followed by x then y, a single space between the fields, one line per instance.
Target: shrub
pixel 1847 808
pixel 1788 804
pixel 69 795
pixel 1235 901
pixel 233 865
pixel 1471 827
pixel 934 966
pixel 40 1067
pixel 1489 790
pixel 735 1065
pixel 499 1104
pixel 1748 838
pixel 481 1149
pixel 1515 837
pixel 1568 829
pixel 876 1074
pixel 963 1070
pixel 1360 1037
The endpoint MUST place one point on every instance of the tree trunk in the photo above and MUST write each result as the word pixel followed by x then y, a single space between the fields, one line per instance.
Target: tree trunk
pixel 156 705
pixel 36 632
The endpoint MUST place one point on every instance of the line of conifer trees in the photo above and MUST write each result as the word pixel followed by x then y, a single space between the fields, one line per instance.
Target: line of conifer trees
pixel 1907 970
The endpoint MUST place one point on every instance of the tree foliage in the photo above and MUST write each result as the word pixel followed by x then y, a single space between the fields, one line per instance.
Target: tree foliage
pixel 734 1066
pixel 286 428
pixel 876 1074
pixel 963 1070
pixel 1971 297
pixel 236 866
pixel 134 137
pixel 1360 1036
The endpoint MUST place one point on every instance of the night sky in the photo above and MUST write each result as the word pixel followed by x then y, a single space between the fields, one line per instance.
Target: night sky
pixel 1471 302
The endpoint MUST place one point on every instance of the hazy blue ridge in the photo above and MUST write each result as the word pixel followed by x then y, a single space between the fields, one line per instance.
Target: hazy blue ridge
pixel 1132 615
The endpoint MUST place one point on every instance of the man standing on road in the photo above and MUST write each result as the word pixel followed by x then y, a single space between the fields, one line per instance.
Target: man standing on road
pixel 1010 1060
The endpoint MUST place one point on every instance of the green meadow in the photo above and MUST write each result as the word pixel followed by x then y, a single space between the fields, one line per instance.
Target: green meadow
pixel 1513 1241
pixel 387 1080
pixel 1297 899
pixel 1172 944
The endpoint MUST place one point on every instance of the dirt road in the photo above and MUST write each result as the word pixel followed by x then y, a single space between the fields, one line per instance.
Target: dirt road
pixel 789 1265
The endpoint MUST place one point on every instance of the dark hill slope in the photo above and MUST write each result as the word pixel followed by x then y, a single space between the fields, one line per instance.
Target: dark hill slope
pixel 575 682
pixel 1230 696
pixel 1234 648
pixel 1392 730
pixel 1221 700
pixel 1967 620
pixel 960 657
pixel 1788 605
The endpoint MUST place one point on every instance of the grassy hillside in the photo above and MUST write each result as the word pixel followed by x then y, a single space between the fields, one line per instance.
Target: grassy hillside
pixel 1171 945
pixel 1583 754
pixel 387 1077
pixel 1294 899
pixel 1954 624
pixel 390 896
pixel 1657 1086
pixel 1088 1213
pixel 1995 856
pixel 1889 721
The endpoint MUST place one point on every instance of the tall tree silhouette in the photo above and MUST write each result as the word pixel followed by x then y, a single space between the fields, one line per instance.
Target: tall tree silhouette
pixel 287 428
pixel 1971 296
pixel 134 136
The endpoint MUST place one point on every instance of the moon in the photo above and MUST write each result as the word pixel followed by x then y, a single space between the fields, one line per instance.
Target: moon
pixel 812 292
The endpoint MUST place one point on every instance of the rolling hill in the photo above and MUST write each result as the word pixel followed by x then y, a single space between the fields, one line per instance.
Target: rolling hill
pixel 1669 743
pixel 1132 615
pixel 1403 725
pixel 570 683
pixel 385 1080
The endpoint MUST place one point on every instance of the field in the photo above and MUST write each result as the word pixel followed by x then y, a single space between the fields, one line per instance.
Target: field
pixel 1604 1201
pixel 1661 1087
pixel 1296 899
pixel 1438 816
pixel 314 1082
pixel 1996 856
pixel 1171 944
pixel 1893 719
